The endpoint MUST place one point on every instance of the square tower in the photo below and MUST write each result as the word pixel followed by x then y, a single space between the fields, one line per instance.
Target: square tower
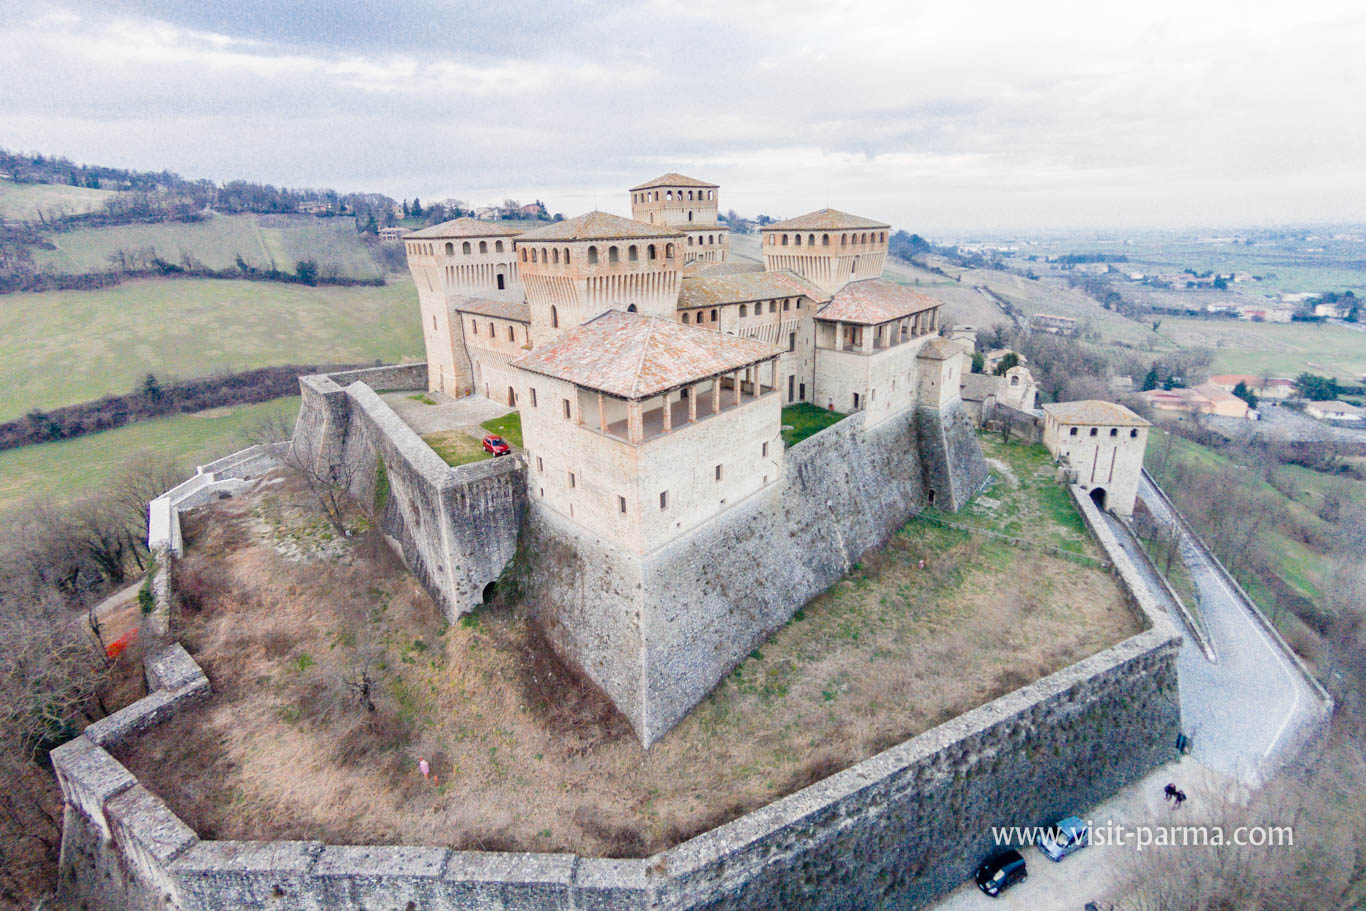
pixel 575 269
pixel 829 247
pixel 1103 443
pixel 691 206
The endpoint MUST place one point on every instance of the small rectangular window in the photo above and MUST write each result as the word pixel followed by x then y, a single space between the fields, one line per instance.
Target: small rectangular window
pixel 573 482
pixel 1074 431
pixel 568 413
pixel 1114 431
pixel 621 505
pixel 533 396
pixel 799 303
pixel 792 341
pixel 765 450
pixel 663 499
pixel 718 472
pixel 540 466
pixel 787 305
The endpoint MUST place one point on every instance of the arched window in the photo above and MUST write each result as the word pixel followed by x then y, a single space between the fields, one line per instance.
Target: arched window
pixel 690 194
pixel 744 312
pixel 825 240
pixel 669 251
pixel 798 238
pixel 555 256
pixel 713 316
pixel 631 308
pixel 498 246
pixel 882 237
pixel 592 255
pixel 465 248
pixel 500 281
pixel 433 321
pixel 844 239
pixel 690 215
pixel 668 194
pixel 493 332
pixel 685 319
pixel 474 326
pixel 784 240
pixel 450 249
pixel 524 256
pixel 612 255
pixel 483 246
pixel 811 240
pixel 711 194
pixel 533 254
pixel 650 251
pixel 690 240
pixel 633 253
pixel 554 317
pixel 566 256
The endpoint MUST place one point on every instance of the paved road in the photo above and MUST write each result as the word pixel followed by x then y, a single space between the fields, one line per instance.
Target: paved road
pixel 1243 712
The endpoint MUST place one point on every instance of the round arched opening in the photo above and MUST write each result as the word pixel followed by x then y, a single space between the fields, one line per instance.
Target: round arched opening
pixel 490 591
pixel 1098 497
pixel 631 308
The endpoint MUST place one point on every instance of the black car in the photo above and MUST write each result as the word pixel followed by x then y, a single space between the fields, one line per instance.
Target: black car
pixel 1001 871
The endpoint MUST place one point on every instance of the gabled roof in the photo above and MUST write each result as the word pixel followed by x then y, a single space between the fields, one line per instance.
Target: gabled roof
pixel 714 290
pixel 825 220
pixel 466 227
pixel 939 349
pixel 515 310
pixel 875 300
pixel 732 267
pixel 977 386
pixel 597 226
pixel 674 179
pixel 1094 411
pixel 634 356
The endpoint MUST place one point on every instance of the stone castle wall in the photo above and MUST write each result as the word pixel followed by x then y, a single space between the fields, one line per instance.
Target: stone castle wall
pixel 456 528
pixel 954 466
pixel 897 830
pixel 720 590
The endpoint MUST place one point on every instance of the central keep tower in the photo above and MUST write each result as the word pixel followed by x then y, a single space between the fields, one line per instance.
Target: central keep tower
pixel 691 206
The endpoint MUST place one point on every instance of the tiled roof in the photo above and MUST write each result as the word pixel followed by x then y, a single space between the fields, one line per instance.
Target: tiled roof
pixel 700 268
pixel 466 227
pixel 516 310
pixel 673 179
pixel 702 229
pixel 634 356
pixel 875 300
pixel 1094 412
pixel 825 220
pixel 597 226
pixel 977 386
pixel 940 349
pixel 714 290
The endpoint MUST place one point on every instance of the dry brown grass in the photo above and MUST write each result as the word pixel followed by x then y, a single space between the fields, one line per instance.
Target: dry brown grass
pixel 529 758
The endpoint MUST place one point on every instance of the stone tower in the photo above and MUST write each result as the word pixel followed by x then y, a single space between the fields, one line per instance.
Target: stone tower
pixel 575 269
pixel 828 247
pixel 691 206
pixel 455 259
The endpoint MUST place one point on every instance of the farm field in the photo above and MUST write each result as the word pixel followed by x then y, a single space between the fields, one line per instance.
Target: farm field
pixel 263 242
pixel 62 347
pixel 23 201
pixel 1274 349
pixel 68 469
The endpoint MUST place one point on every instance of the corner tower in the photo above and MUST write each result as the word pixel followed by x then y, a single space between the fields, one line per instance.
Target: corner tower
pixel 450 261
pixel 691 206
pixel 575 269
pixel 828 247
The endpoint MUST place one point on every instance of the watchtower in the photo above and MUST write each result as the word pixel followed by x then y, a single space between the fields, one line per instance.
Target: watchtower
pixel 828 247
pixel 455 259
pixel 575 269
pixel 691 206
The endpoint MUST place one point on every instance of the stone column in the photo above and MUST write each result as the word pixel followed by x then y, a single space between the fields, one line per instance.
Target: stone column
pixel 602 413
pixel 839 336
pixel 633 426
pixel 692 403
pixel 739 385
pixel 716 394
pixel 668 413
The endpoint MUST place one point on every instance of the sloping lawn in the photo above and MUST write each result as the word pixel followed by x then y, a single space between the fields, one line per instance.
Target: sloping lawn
pixel 805 420
pixel 509 427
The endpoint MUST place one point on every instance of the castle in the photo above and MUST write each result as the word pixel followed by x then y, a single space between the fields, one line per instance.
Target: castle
pixel 650 373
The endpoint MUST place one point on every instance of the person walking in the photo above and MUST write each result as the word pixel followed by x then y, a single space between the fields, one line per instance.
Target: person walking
pixel 1179 799
pixel 1169 791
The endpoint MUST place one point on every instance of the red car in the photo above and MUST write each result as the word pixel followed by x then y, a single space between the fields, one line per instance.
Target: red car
pixel 496 445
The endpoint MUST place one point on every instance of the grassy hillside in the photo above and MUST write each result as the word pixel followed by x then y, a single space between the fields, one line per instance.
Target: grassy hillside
pixel 1277 349
pixel 61 347
pixel 23 201
pixel 70 468
pixel 263 241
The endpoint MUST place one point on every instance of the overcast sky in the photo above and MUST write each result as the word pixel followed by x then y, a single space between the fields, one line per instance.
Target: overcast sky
pixel 941 117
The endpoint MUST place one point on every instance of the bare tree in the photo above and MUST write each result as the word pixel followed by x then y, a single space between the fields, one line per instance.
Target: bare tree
pixel 331 485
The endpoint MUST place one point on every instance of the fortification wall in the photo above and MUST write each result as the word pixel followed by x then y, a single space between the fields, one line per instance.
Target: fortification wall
pixel 720 590
pixel 455 528
pixel 954 466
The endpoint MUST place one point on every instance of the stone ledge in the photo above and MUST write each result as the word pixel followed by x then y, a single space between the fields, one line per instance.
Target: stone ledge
pixel 90 776
pixel 267 857
pixel 142 819
pixel 381 861
pixel 141 715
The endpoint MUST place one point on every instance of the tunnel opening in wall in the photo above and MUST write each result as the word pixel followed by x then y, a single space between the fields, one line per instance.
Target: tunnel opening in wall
pixel 1098 497
pixel 490 592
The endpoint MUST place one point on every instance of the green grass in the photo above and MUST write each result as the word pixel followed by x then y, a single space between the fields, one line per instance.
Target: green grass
pixel 1273 349
pixel 805 420
pixel 1026 501
pixel 62 347
pixel 456 448
pixel 23 201
pixel 509 427
pixel 71 468
pixel 263 242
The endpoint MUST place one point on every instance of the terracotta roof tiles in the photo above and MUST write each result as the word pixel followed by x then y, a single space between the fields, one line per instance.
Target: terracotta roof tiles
pixel 1094 412
pixel 716 289
pixel 465 227
pixel 634 356
pixel 673 179
pixel 874 300
pixel 597 226
pixel 825 220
